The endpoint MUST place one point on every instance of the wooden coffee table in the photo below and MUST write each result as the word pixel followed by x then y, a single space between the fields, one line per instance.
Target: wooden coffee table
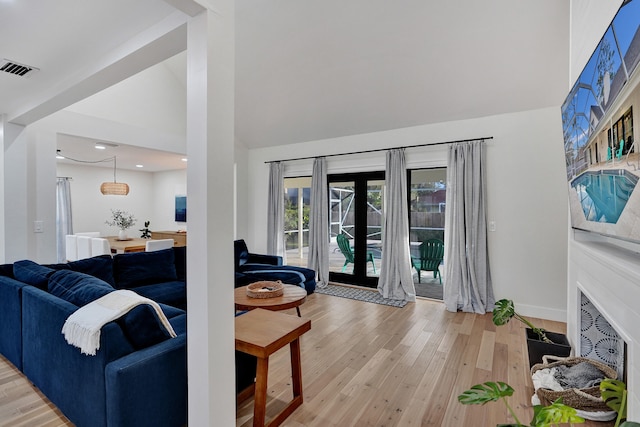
pixel 293 296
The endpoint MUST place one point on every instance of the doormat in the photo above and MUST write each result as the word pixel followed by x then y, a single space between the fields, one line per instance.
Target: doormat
pixel 360 295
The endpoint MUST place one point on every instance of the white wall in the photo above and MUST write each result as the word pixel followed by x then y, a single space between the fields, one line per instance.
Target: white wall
pixel 166 186
pixel 526 194
pixel 151 198
pixel 137 101
pixel 90 208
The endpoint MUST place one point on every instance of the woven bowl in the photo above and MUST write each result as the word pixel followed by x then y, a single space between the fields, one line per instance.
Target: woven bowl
pixel 265 289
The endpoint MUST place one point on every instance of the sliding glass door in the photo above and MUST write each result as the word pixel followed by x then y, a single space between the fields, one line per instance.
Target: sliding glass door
pixel 356 218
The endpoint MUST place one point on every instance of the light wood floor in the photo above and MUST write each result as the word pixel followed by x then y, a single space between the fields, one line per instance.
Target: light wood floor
pixel 366 364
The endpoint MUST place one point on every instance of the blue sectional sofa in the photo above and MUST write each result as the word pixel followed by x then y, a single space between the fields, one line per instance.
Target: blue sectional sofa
pixel 139 375
pixel 251 267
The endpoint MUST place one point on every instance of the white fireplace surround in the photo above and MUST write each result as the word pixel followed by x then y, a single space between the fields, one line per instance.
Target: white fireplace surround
pixel 609 276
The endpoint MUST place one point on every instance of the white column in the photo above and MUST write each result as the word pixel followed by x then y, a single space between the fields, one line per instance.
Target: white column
pixel 210 138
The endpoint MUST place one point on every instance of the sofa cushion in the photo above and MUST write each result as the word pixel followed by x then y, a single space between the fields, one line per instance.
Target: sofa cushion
pixel 32 273
pixel 7 270
pixel 100 266
pixel 141 325
pixel 172 293
pixel 135 269
pixel 180 254
pixel 77 288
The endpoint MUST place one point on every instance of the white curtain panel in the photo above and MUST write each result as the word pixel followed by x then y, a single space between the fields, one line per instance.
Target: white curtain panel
pixel 396 280
pixel 319 223
pixel 275 214
pixel 468 280
pixel 64 223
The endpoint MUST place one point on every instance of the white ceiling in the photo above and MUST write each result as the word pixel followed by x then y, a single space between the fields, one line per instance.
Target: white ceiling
pixel 310 70
pixel 82 151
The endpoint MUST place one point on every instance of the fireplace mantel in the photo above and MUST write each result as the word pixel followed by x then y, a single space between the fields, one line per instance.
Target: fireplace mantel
pixel 609 276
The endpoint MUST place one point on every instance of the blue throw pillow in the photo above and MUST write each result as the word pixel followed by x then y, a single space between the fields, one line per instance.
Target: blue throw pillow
pixel 98 266
pixel 141 325
pixel 32 273
pixel 77 288
pixel 144 268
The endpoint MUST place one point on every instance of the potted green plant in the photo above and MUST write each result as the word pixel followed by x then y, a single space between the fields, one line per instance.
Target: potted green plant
pixel 123 220
pixel 539 341
pixel 543 416
pixel 146 233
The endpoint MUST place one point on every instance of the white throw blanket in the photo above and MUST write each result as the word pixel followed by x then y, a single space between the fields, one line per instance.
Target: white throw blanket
pixel 82 328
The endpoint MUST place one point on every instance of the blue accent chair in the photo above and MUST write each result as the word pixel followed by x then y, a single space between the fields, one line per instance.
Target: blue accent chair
pixel 250 267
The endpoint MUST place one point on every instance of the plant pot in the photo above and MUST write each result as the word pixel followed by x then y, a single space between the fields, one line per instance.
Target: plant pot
pixel 538 348
pixel 122 235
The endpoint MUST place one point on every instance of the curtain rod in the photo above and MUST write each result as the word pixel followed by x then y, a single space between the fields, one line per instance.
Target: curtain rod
pixel 382 149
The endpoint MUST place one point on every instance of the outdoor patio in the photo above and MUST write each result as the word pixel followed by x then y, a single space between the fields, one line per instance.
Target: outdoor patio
pixel 428 288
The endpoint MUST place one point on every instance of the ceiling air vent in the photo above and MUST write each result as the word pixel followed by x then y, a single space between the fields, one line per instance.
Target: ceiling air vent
pixel 13 67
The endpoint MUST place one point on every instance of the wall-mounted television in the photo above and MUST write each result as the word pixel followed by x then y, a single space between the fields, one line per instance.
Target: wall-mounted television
pixel 602 150
pixel 181 209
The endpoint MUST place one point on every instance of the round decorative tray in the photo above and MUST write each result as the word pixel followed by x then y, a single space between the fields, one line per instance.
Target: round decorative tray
pixel 265 289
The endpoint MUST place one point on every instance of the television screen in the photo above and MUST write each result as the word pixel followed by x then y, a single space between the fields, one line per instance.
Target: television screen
pixel 601 150
pixel 181 208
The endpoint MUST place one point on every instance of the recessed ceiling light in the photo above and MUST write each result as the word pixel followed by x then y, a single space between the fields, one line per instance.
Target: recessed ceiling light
pixel 184 159
pixel 139 166
pixel 100 146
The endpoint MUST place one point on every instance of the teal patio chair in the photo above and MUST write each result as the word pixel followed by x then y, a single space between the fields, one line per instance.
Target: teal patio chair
pixel 431 255
pixel 347 251
pixel 619 150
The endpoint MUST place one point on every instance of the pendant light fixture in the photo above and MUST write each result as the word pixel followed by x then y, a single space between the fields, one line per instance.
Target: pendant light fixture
pixel 114 188
pixel 107 188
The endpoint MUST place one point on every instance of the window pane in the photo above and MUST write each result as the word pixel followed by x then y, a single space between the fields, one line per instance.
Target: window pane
pixel 427 204
pixel 297 192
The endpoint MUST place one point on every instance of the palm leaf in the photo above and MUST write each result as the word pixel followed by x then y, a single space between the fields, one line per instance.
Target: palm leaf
pixel 555 413
pixel 503 311
pixel 490 391
pixel 614 394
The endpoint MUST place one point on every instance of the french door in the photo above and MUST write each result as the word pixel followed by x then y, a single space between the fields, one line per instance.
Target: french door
pixel 356 212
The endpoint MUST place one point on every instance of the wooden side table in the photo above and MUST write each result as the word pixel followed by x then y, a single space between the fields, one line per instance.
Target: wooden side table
pixel 261 333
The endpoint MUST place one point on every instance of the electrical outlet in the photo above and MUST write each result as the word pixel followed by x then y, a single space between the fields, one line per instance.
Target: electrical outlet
pixel 492 226
pixel 38 227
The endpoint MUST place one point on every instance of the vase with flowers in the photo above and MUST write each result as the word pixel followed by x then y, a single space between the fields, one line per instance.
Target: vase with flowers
pixel 123 220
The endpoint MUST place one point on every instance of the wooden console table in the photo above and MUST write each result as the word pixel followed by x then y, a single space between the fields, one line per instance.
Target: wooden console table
pixel 180 239
pixel 261 333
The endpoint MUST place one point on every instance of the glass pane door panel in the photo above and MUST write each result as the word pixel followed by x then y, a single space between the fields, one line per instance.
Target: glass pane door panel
pixel 297 194
pixel 427 203
pixel 375 218
pixel 342 198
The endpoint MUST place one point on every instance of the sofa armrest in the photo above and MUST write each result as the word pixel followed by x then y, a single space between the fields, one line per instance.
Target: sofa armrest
pixel 264 259
pixel 59 369
pixel 149 387
pixel 11 320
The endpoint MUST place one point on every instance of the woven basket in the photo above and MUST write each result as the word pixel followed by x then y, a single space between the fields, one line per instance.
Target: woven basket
pixel 265 289
pixel 585 399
